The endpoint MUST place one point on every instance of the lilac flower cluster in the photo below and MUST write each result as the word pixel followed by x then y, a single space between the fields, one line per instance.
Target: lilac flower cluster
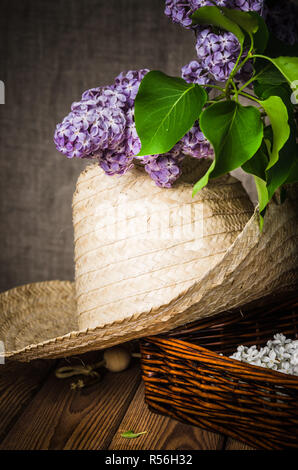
pixel 180 11
pixel 101 126
pixel 248 5
pixel 217 52
pixel 195 144
pixel 165 169
pixel 195 73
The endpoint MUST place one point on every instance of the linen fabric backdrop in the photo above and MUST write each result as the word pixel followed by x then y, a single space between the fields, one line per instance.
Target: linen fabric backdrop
pixel 50 52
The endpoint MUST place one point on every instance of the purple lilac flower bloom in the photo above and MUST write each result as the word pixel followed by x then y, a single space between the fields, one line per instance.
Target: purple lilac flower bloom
pixel 92 94
pixel 85 131
pixel 195 144
pixel 194 73
pixel 133 143
pixel 109 127
pixel 107 96
pixel 249 5
pixel 180 11
pixel 69 137
pixel 116 162
pixel 217 52
pixel 127 83
pixel 101 125
pixel 165 169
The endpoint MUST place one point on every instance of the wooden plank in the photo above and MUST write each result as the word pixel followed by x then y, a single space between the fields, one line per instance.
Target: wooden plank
pixel 163 433
pixel 18 385
pixel 61 418
pixel 232 444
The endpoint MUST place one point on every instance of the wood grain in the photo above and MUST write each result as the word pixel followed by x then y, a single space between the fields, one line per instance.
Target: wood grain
pixel 61 418
pixel 162 432
pixel 39 411
pixel 18 385
pixel 232 444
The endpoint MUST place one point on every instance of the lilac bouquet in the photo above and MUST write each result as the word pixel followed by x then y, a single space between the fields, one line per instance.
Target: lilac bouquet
pixel 148 118
pixel 217 51
pixel 101 126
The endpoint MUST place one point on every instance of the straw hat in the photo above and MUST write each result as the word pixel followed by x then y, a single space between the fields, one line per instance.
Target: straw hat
pixel 130 284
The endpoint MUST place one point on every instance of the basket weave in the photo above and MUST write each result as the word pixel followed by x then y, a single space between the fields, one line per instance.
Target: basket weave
pixel 187 377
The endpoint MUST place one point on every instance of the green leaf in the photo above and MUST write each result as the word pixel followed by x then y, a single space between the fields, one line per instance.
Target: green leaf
pixel 247 22
pixel 258 163
pixel 204 180
pixel 293 173
pixel 262 198
pixel 278 115
pixel 261 35
pixel 267 74
pixel 235 132
pixel 265 90
pixel 261 222
pixel 284 170
pixel 214 16
pixel 270 82
pixel 131 434
pixel 288 66
pixel 165 110
pixel 235 21
pixel 252 23
pixel 262 193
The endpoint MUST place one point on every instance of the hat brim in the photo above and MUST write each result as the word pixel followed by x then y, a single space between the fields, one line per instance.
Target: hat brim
pixel 256 265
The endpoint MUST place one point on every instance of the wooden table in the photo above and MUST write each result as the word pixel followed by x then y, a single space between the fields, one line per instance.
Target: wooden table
pixel 39 411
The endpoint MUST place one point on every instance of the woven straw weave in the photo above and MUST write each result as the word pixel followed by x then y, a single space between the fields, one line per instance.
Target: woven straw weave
pixel 33 313
pixel 115 305
pixel 119 272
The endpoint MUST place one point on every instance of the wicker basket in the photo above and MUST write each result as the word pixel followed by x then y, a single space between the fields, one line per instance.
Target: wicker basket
pixel 189 377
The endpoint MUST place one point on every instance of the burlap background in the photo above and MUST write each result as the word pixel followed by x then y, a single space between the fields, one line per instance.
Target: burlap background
pixel 50 51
